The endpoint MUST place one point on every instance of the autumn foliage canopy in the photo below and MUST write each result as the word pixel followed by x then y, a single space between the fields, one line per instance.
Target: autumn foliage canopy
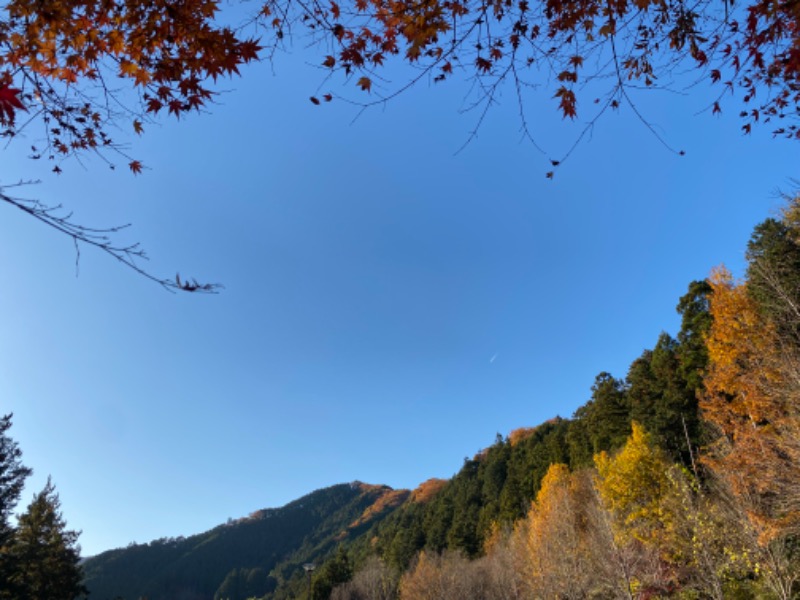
pixel 61 62
pixel 753 50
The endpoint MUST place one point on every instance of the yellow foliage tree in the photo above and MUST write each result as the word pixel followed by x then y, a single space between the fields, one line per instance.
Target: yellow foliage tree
pixel 645 497
pixel 633 484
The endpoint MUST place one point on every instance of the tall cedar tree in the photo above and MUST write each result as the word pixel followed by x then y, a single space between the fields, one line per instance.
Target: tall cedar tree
pixel 46 553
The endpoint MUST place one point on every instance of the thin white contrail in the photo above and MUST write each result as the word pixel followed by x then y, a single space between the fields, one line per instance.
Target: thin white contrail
pixel 491 360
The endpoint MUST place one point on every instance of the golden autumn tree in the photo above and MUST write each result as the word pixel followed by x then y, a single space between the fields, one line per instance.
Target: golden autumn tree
pixel 672 533
pixel 751 398
pixel 651 529
pixel 754 406
pixel 633 484
pixel 559 563
pixel 565 547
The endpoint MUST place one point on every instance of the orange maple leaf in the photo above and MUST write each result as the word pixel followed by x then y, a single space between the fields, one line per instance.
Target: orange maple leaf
pixel 365 83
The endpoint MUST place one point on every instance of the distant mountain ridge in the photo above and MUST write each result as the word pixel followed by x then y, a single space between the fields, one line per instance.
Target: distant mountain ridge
pixel 257 554
pixel 337 528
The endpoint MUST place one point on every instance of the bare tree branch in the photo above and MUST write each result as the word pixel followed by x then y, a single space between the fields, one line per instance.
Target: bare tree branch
pixel 129 255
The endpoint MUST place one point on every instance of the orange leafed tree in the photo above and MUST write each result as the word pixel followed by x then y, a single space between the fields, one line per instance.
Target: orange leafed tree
pixel 754 405
pixel 519 434
pixel 427 490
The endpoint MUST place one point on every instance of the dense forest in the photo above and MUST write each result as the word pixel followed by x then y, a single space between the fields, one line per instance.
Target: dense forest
pixel 679 480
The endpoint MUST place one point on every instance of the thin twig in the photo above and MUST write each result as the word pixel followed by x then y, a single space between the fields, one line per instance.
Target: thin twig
pixel 101 238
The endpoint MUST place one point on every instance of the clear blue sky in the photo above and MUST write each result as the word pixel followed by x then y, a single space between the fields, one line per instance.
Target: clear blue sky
pixel 390 305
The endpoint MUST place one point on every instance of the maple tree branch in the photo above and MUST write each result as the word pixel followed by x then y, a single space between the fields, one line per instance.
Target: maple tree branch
pixel 487 100
pixel 100 238
pixel 624 93
pixel 526 132
pixel 424 71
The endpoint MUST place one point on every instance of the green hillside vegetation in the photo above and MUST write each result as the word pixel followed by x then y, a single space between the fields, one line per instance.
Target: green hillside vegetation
pixel 678 480
pixel 249 557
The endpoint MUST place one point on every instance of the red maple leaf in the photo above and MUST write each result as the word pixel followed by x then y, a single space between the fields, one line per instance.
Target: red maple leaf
pixel 10 104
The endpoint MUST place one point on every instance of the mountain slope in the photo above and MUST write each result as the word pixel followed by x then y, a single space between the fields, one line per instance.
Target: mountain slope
pixel 263 551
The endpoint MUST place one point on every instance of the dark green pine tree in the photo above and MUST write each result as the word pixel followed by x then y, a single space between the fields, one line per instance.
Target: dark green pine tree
pixel 696 319
pixel 663 383
pixel 242 584
pixel 230 587
pixel 773 273
pixel 660 398
pixel 335 571
pixel 606 415
pixel 578 440
pixel 12 478
pixel 46 554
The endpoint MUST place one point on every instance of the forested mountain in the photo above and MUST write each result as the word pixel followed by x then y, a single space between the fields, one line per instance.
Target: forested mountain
pixel 679 480
pixel 339 528
pixel 252 556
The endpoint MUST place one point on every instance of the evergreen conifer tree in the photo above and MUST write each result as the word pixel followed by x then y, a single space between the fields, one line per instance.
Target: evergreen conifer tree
pixel 45 553
pixel 12 478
